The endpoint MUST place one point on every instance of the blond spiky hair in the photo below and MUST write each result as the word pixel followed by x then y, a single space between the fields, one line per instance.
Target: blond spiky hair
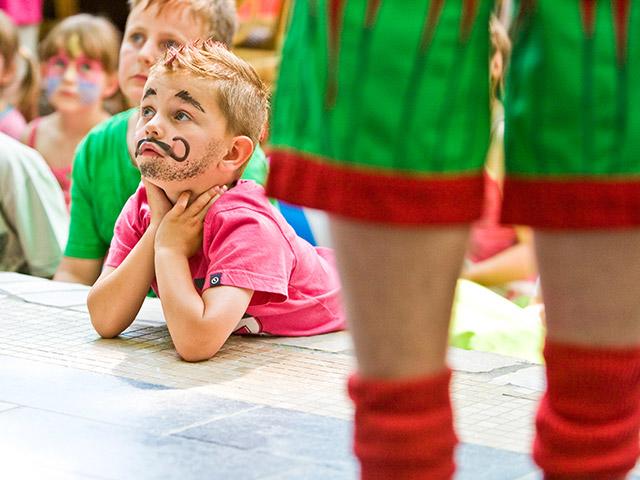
pixel 219 16
pixel 242 97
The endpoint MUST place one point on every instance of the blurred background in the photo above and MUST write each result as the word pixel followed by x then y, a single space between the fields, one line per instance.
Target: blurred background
pixel 258 40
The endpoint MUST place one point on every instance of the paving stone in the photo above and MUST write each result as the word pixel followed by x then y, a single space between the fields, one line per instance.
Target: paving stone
pixel 82 448
pixel 108 398
pixel 330 342
pixel 73 406
pixel 11 277
pixel 39 285
pixel 303 436
pixel 315 472
pixel 476 462
pixel 531 378
pixel 58 299
pixel 479 362
pixel 6 406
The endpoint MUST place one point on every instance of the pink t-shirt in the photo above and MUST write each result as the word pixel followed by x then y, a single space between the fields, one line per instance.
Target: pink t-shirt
pixel 62 174
pixel 12 122
pixel 23 12
pixel 246 243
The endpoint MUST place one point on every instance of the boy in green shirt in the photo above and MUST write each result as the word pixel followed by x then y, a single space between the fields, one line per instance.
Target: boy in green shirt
pixel 104 174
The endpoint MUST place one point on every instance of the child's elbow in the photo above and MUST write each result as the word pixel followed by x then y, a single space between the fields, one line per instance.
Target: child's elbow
pixel 100 320
pixel 103 327
pixel 104 332
pixel 196 353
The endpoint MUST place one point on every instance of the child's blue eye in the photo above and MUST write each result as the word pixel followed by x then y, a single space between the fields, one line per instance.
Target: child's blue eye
pixel 182 116
pixel 136 38
pixel 146 112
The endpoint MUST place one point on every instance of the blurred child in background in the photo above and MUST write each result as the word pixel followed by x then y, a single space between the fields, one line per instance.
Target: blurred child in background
pixel 499 256
pixel 18 93
pixel 33 219
pixel 79 63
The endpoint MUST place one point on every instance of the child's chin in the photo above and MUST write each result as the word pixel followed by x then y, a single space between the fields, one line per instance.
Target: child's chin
pixel 154 181
pixel 133 96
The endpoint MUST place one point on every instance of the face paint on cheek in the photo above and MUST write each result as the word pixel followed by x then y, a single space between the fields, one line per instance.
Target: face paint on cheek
pixel 51 84
pixel 187 149
pixel 89 91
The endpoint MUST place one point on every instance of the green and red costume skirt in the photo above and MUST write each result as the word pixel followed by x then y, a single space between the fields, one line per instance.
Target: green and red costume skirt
pixel 382 112
pixel 572 132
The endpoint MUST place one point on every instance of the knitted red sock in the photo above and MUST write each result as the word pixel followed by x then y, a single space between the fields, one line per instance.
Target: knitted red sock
pixel 404 429
pixel 588 421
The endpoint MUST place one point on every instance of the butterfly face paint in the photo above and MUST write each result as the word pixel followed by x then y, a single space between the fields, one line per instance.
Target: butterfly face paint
pixel 85 72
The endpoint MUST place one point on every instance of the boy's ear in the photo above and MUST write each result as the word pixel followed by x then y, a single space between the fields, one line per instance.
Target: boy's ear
pixel 239 153
pixel 111 85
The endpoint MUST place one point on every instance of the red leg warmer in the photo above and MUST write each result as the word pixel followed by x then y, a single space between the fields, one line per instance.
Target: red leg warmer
pixel 404 428
pixel 588 421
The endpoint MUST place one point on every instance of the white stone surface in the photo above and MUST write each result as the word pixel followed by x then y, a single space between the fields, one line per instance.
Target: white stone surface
pixel 531 378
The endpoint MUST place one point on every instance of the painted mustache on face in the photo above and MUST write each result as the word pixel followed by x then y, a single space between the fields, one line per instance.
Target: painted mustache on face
pixel 166 147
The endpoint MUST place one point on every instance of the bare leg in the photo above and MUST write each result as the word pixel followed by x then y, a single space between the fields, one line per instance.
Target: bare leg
pixel 588 421
pixel 591 284
pixel 399 285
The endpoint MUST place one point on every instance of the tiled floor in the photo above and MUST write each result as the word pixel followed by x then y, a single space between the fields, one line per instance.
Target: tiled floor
pixel 73 406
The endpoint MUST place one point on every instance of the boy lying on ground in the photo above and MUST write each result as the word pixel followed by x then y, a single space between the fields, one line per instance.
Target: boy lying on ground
pixel 217 253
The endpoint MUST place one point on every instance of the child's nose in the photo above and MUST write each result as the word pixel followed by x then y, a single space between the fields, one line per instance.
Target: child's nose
pixel 148 53
pixel 70 73
pixel 153 128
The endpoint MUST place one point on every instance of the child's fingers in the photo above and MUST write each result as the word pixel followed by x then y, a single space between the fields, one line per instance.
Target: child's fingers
pixel 199 203
pixel 203 212
pixel 183 201
pixel 200 206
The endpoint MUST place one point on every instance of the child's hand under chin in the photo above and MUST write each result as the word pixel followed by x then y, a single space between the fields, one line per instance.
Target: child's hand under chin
pixel 158 202
pixel 180 229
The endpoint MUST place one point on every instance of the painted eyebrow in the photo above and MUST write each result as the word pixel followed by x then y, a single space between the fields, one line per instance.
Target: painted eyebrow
pixel 148 93
pixel 186 96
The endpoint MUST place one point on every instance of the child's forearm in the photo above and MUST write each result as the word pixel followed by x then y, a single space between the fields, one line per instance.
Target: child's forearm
pixel 194 337
pixel 515 263
pixel 116 297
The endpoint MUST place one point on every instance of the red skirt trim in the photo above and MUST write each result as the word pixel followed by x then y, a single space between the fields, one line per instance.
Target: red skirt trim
pixel 374 195
pixel 577 203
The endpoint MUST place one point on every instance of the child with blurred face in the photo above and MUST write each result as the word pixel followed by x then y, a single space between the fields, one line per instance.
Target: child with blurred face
pixel 79 60
pixel 18 93
pixel 220 257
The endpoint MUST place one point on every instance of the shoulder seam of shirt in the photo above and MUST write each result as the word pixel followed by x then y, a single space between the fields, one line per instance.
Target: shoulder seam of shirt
pixel 262 214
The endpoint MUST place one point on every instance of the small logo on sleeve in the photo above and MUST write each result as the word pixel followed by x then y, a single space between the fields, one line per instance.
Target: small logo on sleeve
pixel 215 279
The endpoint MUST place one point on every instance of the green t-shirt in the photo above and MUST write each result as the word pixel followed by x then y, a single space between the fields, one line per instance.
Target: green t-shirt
pixel 104 178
